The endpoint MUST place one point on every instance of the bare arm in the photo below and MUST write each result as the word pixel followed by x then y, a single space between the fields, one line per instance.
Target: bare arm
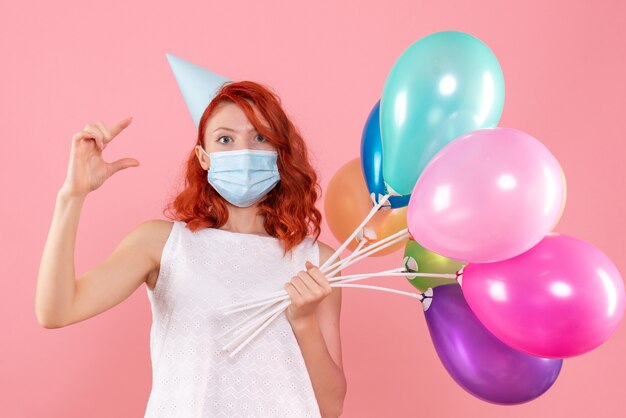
pixel 55 279
pixel 318 333
pixel 56 284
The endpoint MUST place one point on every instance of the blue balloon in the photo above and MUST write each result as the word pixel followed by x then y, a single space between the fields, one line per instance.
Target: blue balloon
pixel 372 160
pixel 478 361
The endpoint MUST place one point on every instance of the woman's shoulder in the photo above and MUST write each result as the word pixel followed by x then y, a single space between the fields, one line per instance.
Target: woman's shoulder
pixel 156 229
pixel 325 251
pixel 325 247
pixel 154 234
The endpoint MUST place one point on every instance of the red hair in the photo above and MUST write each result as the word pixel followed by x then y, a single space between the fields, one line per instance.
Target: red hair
pixel 289 208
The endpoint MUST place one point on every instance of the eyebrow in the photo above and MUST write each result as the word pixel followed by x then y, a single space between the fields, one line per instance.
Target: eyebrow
pixel 232 130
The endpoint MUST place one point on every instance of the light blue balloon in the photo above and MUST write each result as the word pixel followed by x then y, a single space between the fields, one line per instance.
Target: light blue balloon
pixel 441 87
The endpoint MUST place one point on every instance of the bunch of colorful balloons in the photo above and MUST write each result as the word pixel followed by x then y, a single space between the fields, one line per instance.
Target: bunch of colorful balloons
pixel 480 201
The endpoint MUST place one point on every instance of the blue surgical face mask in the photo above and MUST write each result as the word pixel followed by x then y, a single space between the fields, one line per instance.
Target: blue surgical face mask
pixel 244 176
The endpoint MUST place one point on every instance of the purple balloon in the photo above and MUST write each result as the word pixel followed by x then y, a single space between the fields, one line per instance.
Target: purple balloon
pixel 561 298
pixel 479 362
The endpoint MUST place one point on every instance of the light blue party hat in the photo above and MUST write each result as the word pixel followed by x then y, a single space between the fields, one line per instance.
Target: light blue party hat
pixel 197 85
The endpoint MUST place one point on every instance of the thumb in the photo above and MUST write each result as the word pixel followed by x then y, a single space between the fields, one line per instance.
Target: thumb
pixel 122 164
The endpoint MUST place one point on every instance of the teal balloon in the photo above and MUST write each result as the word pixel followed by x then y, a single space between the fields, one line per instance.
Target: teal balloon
pixel 442 86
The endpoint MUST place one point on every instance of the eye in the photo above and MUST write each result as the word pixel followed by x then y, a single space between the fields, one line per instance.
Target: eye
pixel 224 142
pixel 262 138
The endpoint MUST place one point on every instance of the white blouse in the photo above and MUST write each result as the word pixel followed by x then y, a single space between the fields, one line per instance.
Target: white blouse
pixel 191 375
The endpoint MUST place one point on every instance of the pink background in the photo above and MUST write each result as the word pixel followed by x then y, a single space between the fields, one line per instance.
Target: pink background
pixel 68 63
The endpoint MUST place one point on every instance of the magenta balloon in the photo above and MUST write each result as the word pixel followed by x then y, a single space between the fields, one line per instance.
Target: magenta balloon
pixel 487 196
pixel 561 298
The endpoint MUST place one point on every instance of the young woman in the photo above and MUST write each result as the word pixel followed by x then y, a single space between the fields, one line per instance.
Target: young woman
pixel 244 225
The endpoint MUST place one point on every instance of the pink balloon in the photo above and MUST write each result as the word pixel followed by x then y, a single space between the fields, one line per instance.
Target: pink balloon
pixel 561 298
pixel 488 195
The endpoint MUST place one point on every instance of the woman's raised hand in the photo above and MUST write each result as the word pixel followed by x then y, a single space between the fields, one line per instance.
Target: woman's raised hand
pixel 86 169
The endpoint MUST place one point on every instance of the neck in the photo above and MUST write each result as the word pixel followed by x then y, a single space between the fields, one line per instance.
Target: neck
pixel 244 220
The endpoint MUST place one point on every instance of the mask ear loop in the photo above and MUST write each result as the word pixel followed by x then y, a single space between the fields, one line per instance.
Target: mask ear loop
pixel 205 153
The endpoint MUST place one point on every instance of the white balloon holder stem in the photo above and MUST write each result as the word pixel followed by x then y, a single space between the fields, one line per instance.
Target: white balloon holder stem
pixel 272 305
